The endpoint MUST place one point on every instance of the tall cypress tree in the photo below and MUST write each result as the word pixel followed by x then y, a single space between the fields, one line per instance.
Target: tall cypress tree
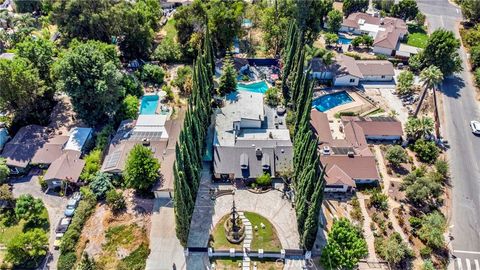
pixel 312 221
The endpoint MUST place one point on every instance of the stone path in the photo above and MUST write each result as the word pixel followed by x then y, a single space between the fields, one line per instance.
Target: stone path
pixel 367 232
pixel 247 241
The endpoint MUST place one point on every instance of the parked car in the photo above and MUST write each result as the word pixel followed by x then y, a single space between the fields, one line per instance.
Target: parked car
pixel 63 225
pixel 71 206
pixel 475 125
pixel 58 241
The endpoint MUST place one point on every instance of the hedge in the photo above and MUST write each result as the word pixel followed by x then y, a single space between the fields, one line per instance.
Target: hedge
pixel 70 238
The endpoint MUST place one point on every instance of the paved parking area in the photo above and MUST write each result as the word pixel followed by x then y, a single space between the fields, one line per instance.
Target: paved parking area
pixel 55 206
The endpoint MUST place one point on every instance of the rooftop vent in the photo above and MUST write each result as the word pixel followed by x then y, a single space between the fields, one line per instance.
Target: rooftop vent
pixel 326 150
pixel 145 142
pixel 258 152
pixel 351 154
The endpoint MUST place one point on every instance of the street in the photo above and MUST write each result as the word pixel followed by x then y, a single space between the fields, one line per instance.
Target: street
pixel 460 107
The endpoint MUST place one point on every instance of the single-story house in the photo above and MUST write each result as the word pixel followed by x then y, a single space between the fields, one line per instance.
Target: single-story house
pixel 376 128
pixel 346 71
pixel 387 32
pixel 67 167
pixel 348 161
pixel 37 145
pixel 150 131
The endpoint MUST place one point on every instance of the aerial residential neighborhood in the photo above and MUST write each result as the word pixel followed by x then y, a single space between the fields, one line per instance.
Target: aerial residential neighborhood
pixel 240 134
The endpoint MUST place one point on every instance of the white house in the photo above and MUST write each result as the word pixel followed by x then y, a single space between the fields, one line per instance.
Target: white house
pixel 387 32
pixel 346 71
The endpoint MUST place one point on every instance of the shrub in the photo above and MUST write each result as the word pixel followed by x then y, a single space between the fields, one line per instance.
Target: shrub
pixel 132 85
pixel 184 80
pixel 330 38
pixel 396 155
pixel 66 261
pixel 415 222
pixel 84 210
pixel 42 182
pixel 92 165
pixel 477 77
pixel 115 200
pixel 103 137
pixel 433 227
pixel 442 168
pixel 426 151
pixel 169 93
pixel 152 74
pixel 428 265
pixel 272 96
pixel 129 108
pixel 100 184
pixel 425 252
pixel 4 170
pixel 379 200
pixel 264 180
pixel 405 82
pixel 168 51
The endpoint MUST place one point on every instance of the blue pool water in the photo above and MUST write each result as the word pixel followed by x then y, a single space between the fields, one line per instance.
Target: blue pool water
pixel 257 87
pixel 149 104
pixel 326 102
pixel 344 40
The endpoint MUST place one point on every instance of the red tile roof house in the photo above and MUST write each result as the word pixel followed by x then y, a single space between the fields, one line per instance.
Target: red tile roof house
pixel 387 32
pixel 349 161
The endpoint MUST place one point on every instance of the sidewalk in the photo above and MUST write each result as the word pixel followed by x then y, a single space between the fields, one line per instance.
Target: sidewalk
pixel 165 248
pixel 367 232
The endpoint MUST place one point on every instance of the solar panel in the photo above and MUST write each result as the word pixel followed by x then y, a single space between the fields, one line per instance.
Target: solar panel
pixel 113 159
pixel 150 135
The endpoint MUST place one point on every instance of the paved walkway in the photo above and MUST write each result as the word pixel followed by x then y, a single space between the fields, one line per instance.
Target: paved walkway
pixel 367 232
pixel 247 241
pixel 165 248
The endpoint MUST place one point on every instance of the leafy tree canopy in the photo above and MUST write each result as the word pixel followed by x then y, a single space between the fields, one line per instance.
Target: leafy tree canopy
pixel 405 82
pixel 351 6
pixel 100 184
pixel 4 171
pixel 335 18
pixel 228 79
pixel 405 9
pixel 27 248
pixel 396 155
pixel 141 169
pixel 441 51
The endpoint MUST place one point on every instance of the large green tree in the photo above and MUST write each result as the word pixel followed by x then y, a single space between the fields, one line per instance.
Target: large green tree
pixel 27 248
pixel 471 9
pixel 405 82
pixel 40 53
pixel 442 51
pixel 274 21
pixel 228 79
pixel 351 6
pixel 89 73
pixel 405 9
pixel 224 21
pixel 310 17
pixel 431 77
pixel 21 90
pixel 432 230
pixel 190 22
pixel 393 249
pixel 345 246
pixel 141 169
pixel 334 19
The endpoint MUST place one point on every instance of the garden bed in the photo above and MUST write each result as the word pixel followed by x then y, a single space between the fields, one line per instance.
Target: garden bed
pixel 233 263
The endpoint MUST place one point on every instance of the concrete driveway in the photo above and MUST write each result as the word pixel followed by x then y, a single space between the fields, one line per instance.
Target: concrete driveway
pixel 165 248
pixel 55 206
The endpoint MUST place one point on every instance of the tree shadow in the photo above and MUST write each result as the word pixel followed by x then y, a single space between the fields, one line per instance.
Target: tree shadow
pixel 451 86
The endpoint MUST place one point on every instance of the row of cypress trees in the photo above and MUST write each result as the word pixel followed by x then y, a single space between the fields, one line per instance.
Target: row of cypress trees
pixel 308 176
pixel 190 146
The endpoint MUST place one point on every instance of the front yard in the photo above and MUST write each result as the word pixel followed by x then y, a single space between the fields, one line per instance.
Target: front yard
pixel 417 36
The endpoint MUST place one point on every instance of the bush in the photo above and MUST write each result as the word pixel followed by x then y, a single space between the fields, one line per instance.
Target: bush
pixel 129 108
pixel 103 137
pixel 66 261
pixel 425 252
pixel 475 56
pixel 168 51
pixel 100 184
pixel 42 182
pixel 84 210
pixel 4 170
pixel 477 77
pixel 396 155
pixel 264 180
pixel 152 74
pixel 379 200
pixel 132 85
pixel 272 96
pixel 442 168
pixel 426 151
pixel 169 93
pixel 184 80
pixel 115 200
pixel 92 165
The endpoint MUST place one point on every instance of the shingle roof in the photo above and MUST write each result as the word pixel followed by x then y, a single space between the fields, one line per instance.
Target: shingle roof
pixel 348 66
pixel 387 39
pixel 321 128
pixel 68 167
pixel 376 126
pixel 357 167
pixel 375 67
pixel 50 151
pixel 19 151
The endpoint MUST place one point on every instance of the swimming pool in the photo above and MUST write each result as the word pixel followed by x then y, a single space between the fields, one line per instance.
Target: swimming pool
pixel 149 104
pixel 327 102
pixel 344 40
pixel 257 87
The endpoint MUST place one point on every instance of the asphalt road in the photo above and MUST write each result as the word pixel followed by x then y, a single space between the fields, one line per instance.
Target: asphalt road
pixel 460 107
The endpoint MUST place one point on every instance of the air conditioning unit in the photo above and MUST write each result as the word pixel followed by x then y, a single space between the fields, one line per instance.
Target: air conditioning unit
pixel 258 152
pixel 351 154
pixel 326 150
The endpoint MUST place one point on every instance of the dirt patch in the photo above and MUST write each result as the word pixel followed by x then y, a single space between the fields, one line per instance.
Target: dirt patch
pixel 94 234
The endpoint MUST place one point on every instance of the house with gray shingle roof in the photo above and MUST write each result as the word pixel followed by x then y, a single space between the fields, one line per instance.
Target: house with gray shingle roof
pixel 250 139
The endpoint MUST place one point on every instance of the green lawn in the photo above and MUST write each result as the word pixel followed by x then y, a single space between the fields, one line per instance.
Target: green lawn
pixel 8 232
pixel 263 238
pixel 417 36
pixel 267 238
pixel 170 30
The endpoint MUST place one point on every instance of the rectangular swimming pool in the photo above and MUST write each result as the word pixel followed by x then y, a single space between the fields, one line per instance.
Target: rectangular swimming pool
pixel 344 40
pixel 327 102
pixel 257 87
pixel 149 104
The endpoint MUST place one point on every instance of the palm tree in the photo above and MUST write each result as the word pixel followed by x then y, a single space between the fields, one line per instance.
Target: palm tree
pixel 417 128
pixel 431 77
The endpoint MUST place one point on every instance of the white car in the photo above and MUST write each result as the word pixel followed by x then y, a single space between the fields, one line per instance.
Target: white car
pixel 475 125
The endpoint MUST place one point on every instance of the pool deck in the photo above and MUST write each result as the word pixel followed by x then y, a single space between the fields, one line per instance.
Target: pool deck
pixel 359 104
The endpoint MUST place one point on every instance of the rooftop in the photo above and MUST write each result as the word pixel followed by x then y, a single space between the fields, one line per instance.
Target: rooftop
pixel 78 137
